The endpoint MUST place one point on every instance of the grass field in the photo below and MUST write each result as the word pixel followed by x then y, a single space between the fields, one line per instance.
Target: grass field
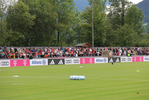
pixel 103 82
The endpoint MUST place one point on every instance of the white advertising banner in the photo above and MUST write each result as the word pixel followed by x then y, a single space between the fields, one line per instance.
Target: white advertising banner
pixel 101 60
pixel 126 59
pixel 146 58
pixel 72 61
pixel 36 62
pixel 4 63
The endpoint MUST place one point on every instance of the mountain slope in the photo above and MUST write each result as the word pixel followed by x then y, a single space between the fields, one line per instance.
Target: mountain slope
pixel 144 5
pixel 81 4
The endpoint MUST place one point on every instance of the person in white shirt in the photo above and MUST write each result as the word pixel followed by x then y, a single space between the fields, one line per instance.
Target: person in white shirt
pixel 120 52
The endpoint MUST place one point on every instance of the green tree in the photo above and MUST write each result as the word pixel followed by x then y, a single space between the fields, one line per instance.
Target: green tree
pixel 70 33
pixel 3 7
pixel 117 12
pixel 148 26
pixel 45 23
pixel 134 18
pixel 3 32
pixel 148 33
pixel 43 31
pixel 19 21
pixel 55 21
pixel 110 34
pixel 99 23
pixel 125 17
pixel 80 31
pixel 67 14
pixel 125 36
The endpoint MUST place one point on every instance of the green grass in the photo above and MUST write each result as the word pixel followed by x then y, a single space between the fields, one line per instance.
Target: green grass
pixel 103 82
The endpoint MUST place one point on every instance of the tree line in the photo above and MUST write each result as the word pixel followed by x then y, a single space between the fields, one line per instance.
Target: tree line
pixel 59 23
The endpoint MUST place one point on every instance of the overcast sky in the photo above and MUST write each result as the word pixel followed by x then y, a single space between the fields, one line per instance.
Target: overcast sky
pixel 135 1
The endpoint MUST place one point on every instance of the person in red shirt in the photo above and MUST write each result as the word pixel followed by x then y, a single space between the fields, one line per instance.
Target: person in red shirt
pixel 68 49
pixel 72 52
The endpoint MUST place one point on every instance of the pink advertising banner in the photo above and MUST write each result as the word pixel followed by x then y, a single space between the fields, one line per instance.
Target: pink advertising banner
pixel 137 59
pixel 87 60
pixel 14 63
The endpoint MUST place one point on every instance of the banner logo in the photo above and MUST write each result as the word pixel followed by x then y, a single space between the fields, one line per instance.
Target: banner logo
pixel 117 60
pixel 146 58
pixel 5 63
pixel 72 61
pixel 114 59
pixel 83 60
pixel 138 59
pixel 38 62
pixel 56 61
pixel 76 61
pixel 24 62
pixel 60 62
pixel 111 60
pixel 44 62
pixel 15 62
pixel 126 59
pixel 101 60
pixel 68 61
pixel 87 60
pixel 52 63
pixel 105 60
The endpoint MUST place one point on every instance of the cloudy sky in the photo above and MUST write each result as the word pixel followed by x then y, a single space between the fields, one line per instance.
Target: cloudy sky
pixel 135 1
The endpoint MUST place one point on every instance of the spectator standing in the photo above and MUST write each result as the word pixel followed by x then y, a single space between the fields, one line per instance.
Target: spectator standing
pixel 120 51
pixel 50 49
pixel 1 52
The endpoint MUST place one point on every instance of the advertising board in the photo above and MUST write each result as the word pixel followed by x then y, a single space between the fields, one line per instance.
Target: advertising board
pixel 114 59
pixel 24 62
pixel 126 59
pixel 36 62
pixel 4 63
pixel 55 61
pixel 87 60
pixel 137 59
pixel 101 60
pixel 146 58
pixel 72 61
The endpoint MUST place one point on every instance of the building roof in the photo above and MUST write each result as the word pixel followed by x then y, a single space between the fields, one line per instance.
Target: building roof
pixel 83 45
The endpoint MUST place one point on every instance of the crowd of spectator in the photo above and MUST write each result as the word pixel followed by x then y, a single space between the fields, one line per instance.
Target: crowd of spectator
pixel 44 52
